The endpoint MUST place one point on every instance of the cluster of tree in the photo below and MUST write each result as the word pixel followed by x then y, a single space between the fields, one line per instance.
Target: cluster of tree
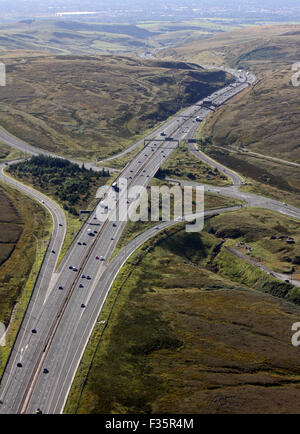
pixel 71 183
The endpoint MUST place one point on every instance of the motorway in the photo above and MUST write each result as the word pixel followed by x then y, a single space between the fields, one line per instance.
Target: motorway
pixel 55 332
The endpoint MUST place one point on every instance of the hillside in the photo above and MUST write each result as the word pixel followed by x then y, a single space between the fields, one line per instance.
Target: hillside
pixel 63 36
pixel 91 106
pixel 264 120
pixel 259 48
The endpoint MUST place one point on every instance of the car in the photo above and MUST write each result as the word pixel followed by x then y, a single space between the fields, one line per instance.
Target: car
pixel 60 287
pixel 33 331
pixel 60 224
pixel 130 177
pixel 112 238
pixel 84 244
pixel 19 365
pixel 70 268
pixel 97 257
pixel 83 276
pixel 38 411
pixel 81 285
pixel 102 258
pixel 45 371
pixel 114 225
pixel 79 243
pixel 131 171
pixel 53 251
pixel 95 232
pixel 88 277
pixel 95 218
pixel 75 269
pixel 82 305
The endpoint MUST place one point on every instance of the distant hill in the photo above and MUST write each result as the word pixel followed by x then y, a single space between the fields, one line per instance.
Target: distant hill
pixel 259 48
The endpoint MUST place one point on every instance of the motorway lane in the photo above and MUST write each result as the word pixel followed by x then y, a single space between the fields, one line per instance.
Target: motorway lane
pixel 54 402
pixel 31 354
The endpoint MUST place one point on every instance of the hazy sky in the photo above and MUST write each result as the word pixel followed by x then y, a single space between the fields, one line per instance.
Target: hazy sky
pixel 112 9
